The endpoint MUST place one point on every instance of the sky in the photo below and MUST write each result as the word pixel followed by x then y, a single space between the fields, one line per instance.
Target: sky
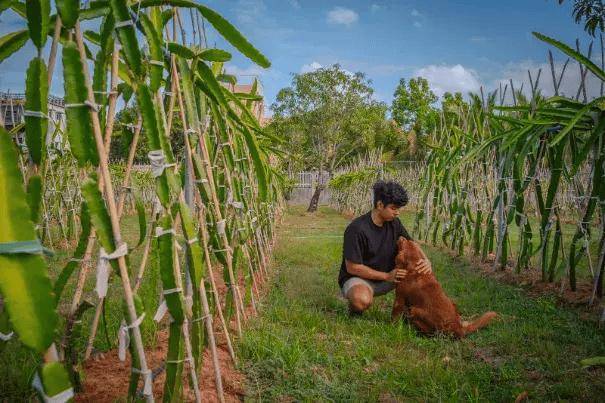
pixel 458 45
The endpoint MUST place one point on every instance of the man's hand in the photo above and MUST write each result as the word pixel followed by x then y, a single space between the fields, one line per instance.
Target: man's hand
pixel 396 275
pixel 424 267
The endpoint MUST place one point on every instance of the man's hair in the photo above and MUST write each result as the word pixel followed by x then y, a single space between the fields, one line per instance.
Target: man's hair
pixel 390 193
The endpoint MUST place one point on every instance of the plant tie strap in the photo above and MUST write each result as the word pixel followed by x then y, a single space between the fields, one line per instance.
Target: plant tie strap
pixel 35 114
pixel 201 180
pixel 190 131
pixel 172 291
pixel 220 226
pixel 6 337
pixel 192 241
pixel 33 247
pixel 156 63
pixel 159 231
pixel 148 381
pixel 124 336
pixel 157 159
pixel 238 205
pixel 121 24
pixel 208 316
pixel 178 361
pixel 160 312
pixel 168 93
pixel 60 397
pixel 103 267
pixel 87 103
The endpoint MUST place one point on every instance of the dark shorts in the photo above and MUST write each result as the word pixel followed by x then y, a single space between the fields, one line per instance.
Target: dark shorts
pixel 377 287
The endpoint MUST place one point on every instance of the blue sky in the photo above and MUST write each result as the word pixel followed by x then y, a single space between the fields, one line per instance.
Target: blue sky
pixel 458 45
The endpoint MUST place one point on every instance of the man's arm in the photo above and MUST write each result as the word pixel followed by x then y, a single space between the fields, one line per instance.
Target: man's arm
pixel 365 272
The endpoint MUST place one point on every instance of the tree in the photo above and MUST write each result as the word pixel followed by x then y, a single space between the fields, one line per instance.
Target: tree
pixel 327 116
pixel 592 12
pixel 413 109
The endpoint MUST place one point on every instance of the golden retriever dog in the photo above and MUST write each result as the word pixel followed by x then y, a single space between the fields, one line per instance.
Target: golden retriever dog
pixel 424 302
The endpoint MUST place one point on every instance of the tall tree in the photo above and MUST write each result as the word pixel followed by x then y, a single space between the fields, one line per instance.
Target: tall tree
pixel 327 116
pixel 413 109
pixel 592 12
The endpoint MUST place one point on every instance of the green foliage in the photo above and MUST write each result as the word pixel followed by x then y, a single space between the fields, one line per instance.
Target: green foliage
pixel 36 100
pixel 12 42
pixel 24 282
pixel 38 17
pixel 69 11
pixel 414 111
pixel 328 116
pixel 79 126
pixel 592 12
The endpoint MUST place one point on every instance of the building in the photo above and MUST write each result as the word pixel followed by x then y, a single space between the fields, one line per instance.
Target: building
pixel 258 107
pixel 12 106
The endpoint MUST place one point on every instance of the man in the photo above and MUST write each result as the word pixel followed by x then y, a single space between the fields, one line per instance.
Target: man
pixel 370 247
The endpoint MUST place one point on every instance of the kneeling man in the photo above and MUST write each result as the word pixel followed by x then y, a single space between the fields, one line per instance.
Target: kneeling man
pixel 370 247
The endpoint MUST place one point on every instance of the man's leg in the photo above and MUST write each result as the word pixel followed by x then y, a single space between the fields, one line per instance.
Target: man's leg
pixel 360 298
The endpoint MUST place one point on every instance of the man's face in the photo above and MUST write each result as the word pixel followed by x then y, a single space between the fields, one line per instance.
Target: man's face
pixel 388 212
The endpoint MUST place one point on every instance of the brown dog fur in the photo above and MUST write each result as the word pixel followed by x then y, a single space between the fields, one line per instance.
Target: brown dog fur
pixel 423 300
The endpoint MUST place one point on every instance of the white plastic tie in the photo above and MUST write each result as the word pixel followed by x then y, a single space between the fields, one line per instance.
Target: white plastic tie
pixel 103 267
pixel 201 180
pixel 86 103
pixel 60 397
pixel 156 63
pixel 172 291
pixel 6 337
pixel 35 114
pixel 157 160
pixel 122 24
pixel 190 131
pixel 160 312
pixel 220 226
pixel 192 241
pixel 123 341
pixel 159 231
pixel 202 318
pixel 178 361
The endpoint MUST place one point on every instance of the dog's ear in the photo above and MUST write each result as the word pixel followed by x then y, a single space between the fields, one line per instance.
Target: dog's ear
pixel 401 243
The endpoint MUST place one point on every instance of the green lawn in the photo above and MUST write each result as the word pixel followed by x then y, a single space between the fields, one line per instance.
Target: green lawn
pixel 303 345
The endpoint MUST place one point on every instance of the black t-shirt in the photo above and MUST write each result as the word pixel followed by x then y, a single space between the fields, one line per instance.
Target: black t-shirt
pixel 368 244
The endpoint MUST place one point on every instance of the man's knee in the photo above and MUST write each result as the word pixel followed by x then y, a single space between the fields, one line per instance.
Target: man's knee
pixel 360 298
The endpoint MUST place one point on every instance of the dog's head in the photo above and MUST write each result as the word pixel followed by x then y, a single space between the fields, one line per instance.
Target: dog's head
pixel 408 254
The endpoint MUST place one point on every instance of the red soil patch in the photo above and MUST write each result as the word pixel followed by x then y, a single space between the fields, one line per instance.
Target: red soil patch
pixel 106 377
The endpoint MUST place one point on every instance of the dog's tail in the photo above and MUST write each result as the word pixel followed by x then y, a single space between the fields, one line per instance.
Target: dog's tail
pixel 470 327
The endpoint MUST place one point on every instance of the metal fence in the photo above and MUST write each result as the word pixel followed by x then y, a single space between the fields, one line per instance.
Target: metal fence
pixel 305 186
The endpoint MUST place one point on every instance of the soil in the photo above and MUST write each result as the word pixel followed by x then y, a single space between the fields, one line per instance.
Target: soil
pixel 107 377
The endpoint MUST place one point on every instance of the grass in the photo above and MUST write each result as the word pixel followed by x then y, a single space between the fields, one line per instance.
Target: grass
pixel 303 346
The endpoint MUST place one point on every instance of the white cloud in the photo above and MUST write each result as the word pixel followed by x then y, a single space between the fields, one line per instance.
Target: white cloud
pixel 341 15
pixel 518 73
pixel 443 78
pixel 417 24
pixel 294 3
pixel 479 39
pixel 307 68
pixel 416 13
